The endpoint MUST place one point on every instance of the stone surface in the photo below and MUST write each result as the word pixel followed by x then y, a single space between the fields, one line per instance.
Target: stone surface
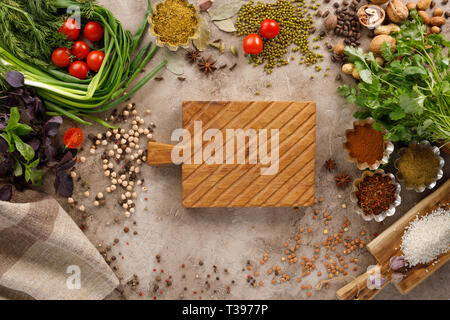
pixel 228 238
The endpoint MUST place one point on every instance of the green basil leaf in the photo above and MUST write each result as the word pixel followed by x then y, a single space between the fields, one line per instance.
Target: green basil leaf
pixel 24 149
pixel 13 119
pixel 22 129
pixel 18 171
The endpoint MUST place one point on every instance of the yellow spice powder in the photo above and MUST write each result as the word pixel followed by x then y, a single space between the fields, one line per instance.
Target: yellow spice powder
pixel 175 21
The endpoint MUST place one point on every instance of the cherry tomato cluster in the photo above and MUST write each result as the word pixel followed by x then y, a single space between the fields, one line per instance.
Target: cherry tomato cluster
pixel 253 43
pixel 81 59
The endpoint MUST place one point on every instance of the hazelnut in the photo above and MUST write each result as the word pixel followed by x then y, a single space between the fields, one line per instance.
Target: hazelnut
pixel 423 4
pixel 377 42
pixel 437 21
pixel 339 48
pixel 435 29
pixel 397 11
pixel 411 5
pixel 425 17
pixel 438 12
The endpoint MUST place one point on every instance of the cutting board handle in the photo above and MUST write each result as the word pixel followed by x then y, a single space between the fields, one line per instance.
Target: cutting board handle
pixel 357 289
pixel 159 153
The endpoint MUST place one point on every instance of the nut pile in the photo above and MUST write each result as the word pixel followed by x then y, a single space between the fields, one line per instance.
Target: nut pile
pixel 344 22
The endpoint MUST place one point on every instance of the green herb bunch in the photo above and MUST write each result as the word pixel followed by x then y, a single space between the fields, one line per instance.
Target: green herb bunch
pixel 29 33
pixel 24 160
pixel 410 95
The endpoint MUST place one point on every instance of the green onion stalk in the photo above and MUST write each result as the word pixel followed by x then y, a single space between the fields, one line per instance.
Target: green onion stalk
pixel 64 94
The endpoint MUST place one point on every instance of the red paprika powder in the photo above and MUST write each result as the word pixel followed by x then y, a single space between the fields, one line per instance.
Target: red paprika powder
pixel 365 144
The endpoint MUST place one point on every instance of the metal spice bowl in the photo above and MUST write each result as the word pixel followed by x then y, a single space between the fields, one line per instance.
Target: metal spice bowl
pixel 440 173
pixel 388 148
pixel 379 217
pixel 174 46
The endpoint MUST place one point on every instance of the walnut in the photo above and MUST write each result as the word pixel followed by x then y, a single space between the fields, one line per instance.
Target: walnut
pixel 377 42
pixel 397 11
pixel 378 2
pixel 330 22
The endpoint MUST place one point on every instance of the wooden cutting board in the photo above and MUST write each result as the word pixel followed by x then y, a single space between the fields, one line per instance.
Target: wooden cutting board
pixel 243 185
pixel 387 245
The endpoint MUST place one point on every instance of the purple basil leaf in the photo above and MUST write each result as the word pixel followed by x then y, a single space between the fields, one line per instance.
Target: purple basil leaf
pixel 52 126
pixel 66 158
pixel 66 165
pixel 6 192
pixel 3 145
pixel 35 143
pixel 63 184
pixel 15 79
pixel 6 165
pixel 4 120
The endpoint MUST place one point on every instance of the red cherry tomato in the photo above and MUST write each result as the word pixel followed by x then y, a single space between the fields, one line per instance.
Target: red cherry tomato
pixel 269 28
pixel 79 69
pixel 73 138
pixel 80 50
pixel 93 31
pixel 95 60
pixel 71 29
pixel 61 57
pixel 253 44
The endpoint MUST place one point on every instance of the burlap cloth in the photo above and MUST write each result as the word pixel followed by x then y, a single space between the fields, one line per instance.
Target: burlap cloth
pixel 44 255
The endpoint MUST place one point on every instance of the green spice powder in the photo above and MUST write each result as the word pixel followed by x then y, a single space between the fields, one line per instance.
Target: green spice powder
pixel 175 21
pixel 295 23
pixel 418 166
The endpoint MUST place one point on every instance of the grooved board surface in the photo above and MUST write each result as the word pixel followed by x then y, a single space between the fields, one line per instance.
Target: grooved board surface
pixel 243 185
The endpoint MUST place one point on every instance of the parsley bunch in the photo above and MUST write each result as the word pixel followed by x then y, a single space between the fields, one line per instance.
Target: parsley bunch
pixel 410 95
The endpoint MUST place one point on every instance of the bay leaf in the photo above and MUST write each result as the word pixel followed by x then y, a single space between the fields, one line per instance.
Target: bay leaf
pixel 226 25
pixel 225 11
pixel 175 63
pixel 202 41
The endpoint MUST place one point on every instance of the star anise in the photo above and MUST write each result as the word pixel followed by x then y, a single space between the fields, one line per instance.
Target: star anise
pixel 207 66
pixel 330 165
pixel 193 55
pixel 342 180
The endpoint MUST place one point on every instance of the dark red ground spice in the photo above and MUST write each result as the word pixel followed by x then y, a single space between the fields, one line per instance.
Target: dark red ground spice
pixel 375 194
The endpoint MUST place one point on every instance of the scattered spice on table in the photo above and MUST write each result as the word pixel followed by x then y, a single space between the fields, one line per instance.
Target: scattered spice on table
pixel 375 194
pixel 193 55
pixel 365 144
pixel 207 66
pixel 330 165
pixel 418 165
pixel 342 180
